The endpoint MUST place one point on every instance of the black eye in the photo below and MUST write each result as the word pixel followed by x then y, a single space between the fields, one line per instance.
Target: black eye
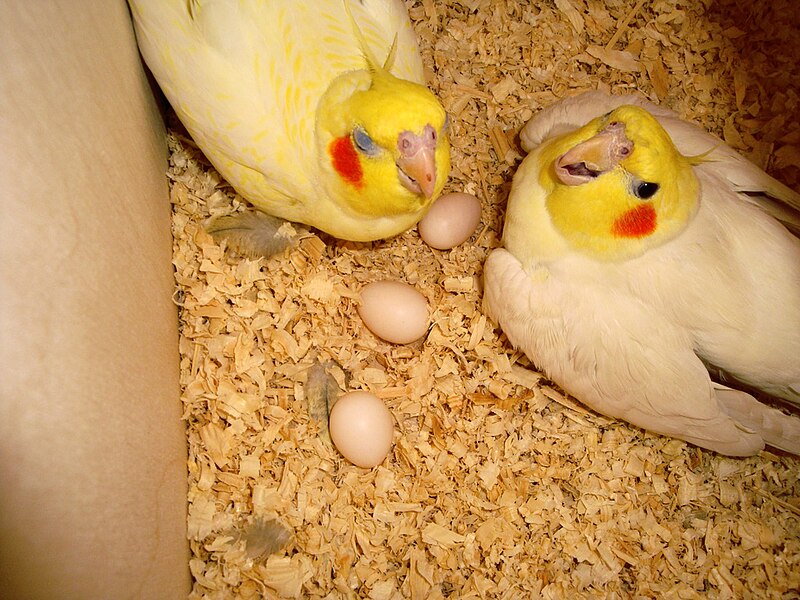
pixel 644 189
pixel 364 143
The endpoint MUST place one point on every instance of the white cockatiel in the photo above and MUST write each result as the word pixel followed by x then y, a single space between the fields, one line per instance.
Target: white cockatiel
pixel 636 254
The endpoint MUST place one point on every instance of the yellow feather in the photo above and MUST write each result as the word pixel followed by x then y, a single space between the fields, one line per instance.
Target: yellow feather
pixel 586 215
pixel 372 64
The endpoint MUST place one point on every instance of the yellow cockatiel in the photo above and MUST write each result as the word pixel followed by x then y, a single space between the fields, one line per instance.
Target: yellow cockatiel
pixel 636 254
pixel 315 112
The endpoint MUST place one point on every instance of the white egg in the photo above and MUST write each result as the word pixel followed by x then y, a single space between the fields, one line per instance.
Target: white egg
pixel 361 428
pixel 394 311
pixel 450 221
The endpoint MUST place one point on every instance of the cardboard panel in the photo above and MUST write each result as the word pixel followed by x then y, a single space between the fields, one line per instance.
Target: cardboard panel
pixel 92 448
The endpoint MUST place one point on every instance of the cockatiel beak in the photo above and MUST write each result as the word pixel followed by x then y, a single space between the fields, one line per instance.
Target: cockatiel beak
pixel 417 161
pixel 595 156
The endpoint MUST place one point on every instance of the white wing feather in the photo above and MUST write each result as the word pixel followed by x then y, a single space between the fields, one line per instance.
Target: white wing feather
pixel 590 341
pixel 777 429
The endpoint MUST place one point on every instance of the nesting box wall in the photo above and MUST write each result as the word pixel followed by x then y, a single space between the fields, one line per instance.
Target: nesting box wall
pixel 92 448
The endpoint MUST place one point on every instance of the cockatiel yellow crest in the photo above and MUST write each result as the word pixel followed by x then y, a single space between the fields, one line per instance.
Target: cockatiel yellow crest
pixel 290 103
pixel 638 252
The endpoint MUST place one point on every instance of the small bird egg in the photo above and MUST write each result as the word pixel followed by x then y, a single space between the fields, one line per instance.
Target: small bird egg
pixel 394 311
pixel 450 221
pixel 361 428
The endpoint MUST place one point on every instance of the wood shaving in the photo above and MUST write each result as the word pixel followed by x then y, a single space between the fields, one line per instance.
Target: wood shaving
pixel 498 486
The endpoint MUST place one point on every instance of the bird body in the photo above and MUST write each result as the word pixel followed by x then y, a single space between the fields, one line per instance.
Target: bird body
pixel 290 104
pixel 629 267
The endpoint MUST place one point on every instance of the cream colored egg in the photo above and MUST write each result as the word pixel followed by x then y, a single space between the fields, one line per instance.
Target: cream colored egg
pixel 450 221
pixel 394 311
pixel 361 428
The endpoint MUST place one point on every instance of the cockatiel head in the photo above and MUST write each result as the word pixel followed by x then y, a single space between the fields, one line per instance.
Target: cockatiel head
pixel 615 187
pixel 384 143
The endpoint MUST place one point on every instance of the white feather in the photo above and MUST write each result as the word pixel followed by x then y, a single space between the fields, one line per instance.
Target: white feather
pixel 612 353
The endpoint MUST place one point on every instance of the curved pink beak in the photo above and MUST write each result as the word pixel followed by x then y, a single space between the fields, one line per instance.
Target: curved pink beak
pixel 595 156
pixel 417 162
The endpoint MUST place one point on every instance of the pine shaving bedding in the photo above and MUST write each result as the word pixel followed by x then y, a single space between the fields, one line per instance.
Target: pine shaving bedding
pixel 498 485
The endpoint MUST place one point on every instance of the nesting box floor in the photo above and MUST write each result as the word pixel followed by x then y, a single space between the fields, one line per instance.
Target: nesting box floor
pixel 498 486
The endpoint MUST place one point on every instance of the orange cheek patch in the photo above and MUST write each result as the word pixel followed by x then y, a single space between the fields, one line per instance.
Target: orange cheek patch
pixel 345 161
pixel 637 222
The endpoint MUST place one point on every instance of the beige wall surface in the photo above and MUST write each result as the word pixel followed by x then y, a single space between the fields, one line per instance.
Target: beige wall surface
pixel 92 449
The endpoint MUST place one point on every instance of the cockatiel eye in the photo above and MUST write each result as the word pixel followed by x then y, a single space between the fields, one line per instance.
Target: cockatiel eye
pixel 644 190
pixel 364 143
